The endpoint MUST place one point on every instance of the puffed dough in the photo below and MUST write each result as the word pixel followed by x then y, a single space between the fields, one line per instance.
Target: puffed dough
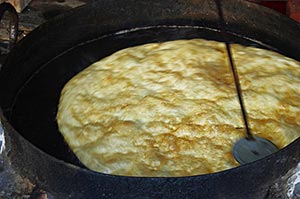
pixel 171 109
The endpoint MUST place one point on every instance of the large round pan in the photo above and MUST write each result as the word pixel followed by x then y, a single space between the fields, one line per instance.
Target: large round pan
pixel 39 66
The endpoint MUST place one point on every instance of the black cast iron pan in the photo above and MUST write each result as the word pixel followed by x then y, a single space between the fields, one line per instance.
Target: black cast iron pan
pixel 39 66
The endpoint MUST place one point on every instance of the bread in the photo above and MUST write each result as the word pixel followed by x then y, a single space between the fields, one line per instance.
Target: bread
pixel 171 109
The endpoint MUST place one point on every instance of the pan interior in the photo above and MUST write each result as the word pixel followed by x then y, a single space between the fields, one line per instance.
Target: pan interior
pixel 33 114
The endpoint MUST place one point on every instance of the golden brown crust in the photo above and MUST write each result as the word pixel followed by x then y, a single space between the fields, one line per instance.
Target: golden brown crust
pixel 170 109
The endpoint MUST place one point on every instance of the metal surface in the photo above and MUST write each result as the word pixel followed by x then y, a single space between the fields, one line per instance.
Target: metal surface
pixel 246 151
pixel 13 24
pixel 29 103
pixel 251 148
pixel 13 33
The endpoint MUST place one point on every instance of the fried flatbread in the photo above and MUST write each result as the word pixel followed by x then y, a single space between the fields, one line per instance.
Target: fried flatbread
pixel 171 109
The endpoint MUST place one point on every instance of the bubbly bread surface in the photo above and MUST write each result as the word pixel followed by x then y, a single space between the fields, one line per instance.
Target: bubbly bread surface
pixel 171 109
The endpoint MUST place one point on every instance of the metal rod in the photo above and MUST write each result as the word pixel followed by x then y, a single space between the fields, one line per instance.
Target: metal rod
pixel 234 70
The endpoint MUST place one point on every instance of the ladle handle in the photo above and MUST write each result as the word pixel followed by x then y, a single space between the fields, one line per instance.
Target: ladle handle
pixel 13 25
pixel 235 75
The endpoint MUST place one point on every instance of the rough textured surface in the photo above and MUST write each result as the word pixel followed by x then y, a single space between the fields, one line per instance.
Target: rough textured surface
pixel 18 4
pixel 12 184
pixel 38 12
pixel 171 109
pixel 285 186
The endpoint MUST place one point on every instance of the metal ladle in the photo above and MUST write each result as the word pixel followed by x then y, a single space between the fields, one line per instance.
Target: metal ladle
pixel 250 148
